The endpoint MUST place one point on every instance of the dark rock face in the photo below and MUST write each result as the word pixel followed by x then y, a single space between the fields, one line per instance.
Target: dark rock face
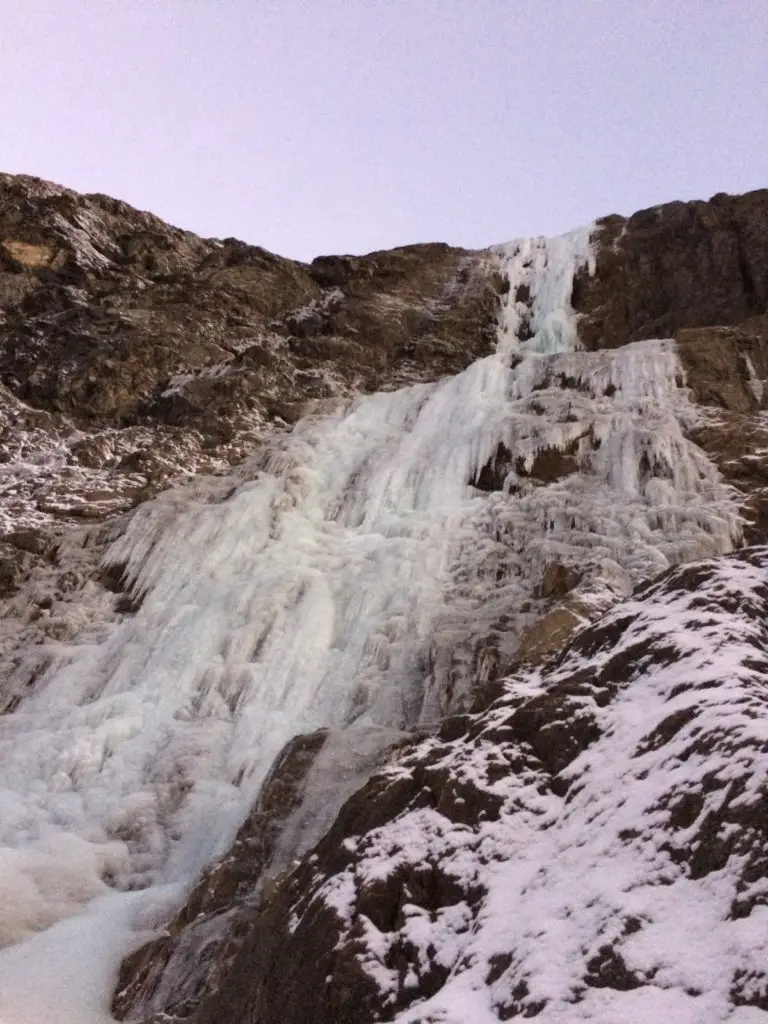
pixel 726 368
pixel 679 265
pixel 549 465
pixel 104 306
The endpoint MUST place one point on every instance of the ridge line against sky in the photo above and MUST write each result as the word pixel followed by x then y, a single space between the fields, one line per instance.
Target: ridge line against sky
pixel 354 125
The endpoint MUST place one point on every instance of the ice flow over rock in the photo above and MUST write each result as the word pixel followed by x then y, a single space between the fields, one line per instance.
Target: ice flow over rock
pixel 345 577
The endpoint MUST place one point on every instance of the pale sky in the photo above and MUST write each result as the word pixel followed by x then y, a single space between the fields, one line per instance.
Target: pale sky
pixel 353 125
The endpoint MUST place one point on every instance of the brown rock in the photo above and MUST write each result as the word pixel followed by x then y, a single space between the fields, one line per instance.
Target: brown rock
pixel 725 366
pixel 558 580
pixel 30 256
pixel 548 635
pixel 727 370
pixel 679 265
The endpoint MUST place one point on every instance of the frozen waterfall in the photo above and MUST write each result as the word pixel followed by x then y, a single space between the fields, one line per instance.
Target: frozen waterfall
pixel 342 578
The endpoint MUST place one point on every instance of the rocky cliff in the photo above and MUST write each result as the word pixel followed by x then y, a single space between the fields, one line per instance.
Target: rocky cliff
pixel 148 353
pixel 566 805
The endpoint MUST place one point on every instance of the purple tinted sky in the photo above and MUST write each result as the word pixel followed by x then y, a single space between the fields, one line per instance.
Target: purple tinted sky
pixel 312 126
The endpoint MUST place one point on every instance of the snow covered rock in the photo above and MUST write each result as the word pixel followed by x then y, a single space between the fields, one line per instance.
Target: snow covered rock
pixel 591 846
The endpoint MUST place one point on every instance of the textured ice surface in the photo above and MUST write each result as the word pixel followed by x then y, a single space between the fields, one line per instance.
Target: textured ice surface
pixel 343 581
pixel 537 312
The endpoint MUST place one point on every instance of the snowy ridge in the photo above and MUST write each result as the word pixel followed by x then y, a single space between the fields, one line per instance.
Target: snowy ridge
pixel 346 577
pixel 601 830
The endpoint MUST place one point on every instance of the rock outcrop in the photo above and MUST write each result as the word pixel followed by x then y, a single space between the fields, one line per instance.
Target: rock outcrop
pixel 679 265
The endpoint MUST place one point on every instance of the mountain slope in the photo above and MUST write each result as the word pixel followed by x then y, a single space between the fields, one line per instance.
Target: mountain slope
pixel 402 486
pixel 592 846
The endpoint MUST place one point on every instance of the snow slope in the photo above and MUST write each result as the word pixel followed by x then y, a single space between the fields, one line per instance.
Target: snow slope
pixel 601 829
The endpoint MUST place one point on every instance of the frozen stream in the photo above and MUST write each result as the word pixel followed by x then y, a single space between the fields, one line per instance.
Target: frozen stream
pixel 331 587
